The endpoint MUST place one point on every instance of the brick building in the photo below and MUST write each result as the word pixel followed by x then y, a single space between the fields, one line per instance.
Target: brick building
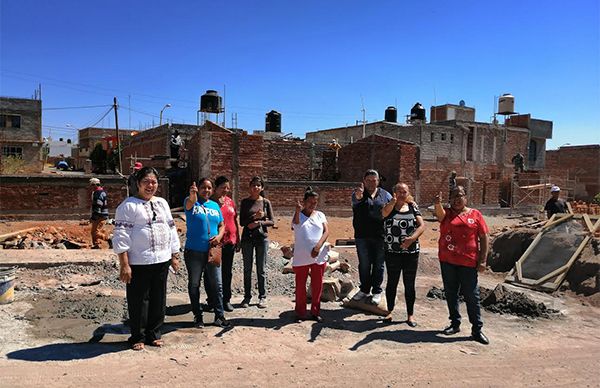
pixel 90 136
pixel 581 164
pixel 21 136
pixel 480 153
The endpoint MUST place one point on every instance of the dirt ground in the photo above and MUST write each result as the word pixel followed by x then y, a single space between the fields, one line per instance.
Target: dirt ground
pixel 65 329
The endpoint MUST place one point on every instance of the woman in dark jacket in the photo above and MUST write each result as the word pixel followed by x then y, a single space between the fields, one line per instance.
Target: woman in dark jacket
pixel 256 214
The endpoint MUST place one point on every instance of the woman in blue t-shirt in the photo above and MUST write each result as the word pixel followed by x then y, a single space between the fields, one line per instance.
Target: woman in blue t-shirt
pixel 205 228
pixel 403 225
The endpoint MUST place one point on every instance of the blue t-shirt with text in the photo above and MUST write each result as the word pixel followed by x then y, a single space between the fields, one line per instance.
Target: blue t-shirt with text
pixel 196 221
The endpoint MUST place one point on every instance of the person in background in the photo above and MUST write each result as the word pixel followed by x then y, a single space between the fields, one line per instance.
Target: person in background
pixel 310 256
pixel 99 211
pixel 205 229
pixel 403 225
pixel 463 251
pixel 132 180
pixel 256 214
pixel 146 241
pixel 451 182
pixel 367 201
pixel 555 204
pixel 231 238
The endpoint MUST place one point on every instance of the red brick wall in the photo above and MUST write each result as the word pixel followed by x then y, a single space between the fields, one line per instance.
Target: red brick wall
pixel 581 164
pixel 59 197
pixel 394 160
pixel 516 141
pixel 287 159
pixel 333 196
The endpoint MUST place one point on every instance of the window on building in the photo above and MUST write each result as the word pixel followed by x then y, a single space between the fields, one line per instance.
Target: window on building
pixel 532 152
pixel 443 136
pixel 12 151
pixel 10 121
pixel 470 145
pixel 451 138
pixel 432 136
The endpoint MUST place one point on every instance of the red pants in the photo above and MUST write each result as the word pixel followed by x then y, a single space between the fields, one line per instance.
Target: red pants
pixel 316 288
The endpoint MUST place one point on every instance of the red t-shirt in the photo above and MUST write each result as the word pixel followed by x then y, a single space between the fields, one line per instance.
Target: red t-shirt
pixel 459 242
pixel 229 215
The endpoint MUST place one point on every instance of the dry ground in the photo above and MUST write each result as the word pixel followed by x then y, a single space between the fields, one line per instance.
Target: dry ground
pixel 44 337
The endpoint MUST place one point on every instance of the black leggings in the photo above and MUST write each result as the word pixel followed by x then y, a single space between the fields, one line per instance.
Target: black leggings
pixel 405 263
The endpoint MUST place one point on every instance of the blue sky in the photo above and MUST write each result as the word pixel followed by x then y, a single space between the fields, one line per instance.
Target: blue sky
pixel 313 61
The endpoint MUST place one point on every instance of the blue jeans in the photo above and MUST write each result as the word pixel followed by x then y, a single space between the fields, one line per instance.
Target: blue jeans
pixel 248 249
pixel 371 259
pixel 462 279
pixel 196 263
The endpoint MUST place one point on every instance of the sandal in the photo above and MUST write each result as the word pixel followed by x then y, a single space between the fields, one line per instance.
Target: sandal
pixel 138 346
pixel 157 343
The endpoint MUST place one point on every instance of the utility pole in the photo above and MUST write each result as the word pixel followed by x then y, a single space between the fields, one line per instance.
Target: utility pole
pixel 364 121
pixel 118 140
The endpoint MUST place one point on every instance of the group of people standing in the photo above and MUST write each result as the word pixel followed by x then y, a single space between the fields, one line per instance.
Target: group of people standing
pixel 386 231
pixel 146 241
pixel 387 227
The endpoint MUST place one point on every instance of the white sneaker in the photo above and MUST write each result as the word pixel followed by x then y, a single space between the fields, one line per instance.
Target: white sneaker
pixel 359 295
pixel 376 299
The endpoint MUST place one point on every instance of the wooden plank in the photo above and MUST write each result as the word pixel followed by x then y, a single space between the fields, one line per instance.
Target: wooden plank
pixel 588 223
pixel 559 219
pixel 18 232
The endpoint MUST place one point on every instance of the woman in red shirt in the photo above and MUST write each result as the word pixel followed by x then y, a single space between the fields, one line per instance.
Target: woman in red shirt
pixel 231 238
pixel 463 250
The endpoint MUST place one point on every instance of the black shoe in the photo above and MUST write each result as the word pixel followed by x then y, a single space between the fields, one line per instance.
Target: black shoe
pixel 245 303
pixel 317 318
pixel 451 330
pixel 411 323
pixel 206 307
pixel 228 307
pixel 222 322
pixel 480 337
pixel 198 322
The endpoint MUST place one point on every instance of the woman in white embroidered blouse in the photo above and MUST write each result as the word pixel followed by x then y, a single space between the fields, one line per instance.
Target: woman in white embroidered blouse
pixel 310 255
pixel 146 241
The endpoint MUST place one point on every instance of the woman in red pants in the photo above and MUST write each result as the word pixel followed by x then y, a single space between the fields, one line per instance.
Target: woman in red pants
pixel 310 233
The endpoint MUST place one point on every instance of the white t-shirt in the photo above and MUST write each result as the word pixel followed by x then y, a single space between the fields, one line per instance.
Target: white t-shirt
pixel 306 235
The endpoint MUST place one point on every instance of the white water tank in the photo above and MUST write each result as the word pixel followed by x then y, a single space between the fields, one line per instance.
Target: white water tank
pixel 506 104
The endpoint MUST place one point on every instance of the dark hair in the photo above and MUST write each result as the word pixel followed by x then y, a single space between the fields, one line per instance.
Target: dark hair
pixel 371 172
pixel 201 180
pixel 144 172
pixel 456 190
pixel 257 179
pixel 220 180
pixel 309 192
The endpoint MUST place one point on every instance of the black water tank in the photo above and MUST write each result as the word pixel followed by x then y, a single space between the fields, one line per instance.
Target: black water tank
pixel 211 102
pixel 391 114
pixel 417 112
pixel 273 121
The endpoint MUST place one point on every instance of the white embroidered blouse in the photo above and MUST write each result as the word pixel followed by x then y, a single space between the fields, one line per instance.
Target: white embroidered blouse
pixel 145 230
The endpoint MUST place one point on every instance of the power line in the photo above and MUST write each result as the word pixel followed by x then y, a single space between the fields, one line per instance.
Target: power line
pixel 77 107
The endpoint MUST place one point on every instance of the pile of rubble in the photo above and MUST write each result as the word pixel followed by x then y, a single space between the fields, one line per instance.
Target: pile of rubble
pixel 337 283
pixel 43 238
pixel 501 300
pixel 582 207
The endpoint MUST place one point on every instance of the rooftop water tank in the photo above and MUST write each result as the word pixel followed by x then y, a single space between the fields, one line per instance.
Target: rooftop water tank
pixel 273 121
pixel 417 112
pixel 211 102
pixel 391 114
pixel 506 104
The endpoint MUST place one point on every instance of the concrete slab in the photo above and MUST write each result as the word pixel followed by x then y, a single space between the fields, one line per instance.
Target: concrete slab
pixel 44 258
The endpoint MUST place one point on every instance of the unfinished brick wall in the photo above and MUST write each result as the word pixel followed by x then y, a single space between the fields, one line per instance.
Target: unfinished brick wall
pixel 581 164
pixel 394 159
pixel 516 141
pixel 59 197
pixel 287 159
pixel 333 196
